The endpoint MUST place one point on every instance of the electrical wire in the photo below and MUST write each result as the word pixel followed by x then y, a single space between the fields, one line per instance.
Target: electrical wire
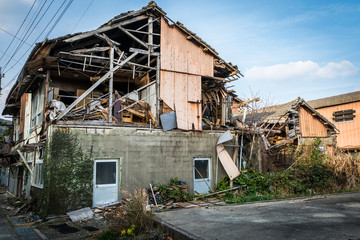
pixel 26 36
pixel 59 18
pixel 52 28
pixel 12 36
pixel 82 16
pixel 15 36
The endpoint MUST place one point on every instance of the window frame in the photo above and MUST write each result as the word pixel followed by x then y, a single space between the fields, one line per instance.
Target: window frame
pixel 343 116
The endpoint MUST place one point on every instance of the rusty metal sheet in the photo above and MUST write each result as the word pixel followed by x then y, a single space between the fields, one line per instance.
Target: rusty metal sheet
pixel 230 168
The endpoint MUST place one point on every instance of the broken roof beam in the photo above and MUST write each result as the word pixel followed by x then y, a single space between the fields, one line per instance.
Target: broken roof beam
pixel 151 21
pixel 111 42
pixel 87 50
pixel 105 29
pixel 106 76
pixel 145 45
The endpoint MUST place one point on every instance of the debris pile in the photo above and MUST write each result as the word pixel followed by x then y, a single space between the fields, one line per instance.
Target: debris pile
pixel 175 191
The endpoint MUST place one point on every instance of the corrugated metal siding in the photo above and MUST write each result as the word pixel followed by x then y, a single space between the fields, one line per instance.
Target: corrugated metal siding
pixel 310 126
pixel 349 136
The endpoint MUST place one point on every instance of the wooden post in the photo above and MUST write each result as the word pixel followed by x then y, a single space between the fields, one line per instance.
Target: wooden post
pixel 102 79
pixel 150 38
pixel 111 53
pixel 157 91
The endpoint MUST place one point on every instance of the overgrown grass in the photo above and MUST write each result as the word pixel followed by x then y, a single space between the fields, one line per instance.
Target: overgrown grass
pixel 312 173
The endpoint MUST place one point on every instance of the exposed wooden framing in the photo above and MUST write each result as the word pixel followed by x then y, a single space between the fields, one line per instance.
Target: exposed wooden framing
pixel 140 65
pixel 158 89
pixel 141 51
pixel 150 38
pixel 107 75
pixel 95 49
pixel 111 83
pixel 46 92
pixel 105 29
pixel 154 20
pixel 137 90
pixel 133 37
pixel 111 42
pixel 147 33
pixel 83 55
pixel 136 103
pixel 24 160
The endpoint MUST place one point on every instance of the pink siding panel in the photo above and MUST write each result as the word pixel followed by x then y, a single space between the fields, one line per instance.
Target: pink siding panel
pixel 182 55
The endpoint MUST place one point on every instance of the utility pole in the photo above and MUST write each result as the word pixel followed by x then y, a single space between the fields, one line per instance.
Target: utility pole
pixel 1 76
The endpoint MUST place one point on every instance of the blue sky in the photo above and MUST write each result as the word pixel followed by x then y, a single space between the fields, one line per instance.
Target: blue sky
pixel 285 49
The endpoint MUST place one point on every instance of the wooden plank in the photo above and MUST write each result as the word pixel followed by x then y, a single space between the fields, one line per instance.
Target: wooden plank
pixel 229 166
pixel 136 113
pixel 167 88
pixel 104 29
pixel 79 92
pixel 106 76
pixel 311 126
pixel 181 103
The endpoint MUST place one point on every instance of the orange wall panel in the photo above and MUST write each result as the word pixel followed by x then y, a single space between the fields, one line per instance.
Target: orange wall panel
pixel 349 136
pixel 310 126
pixel 181 55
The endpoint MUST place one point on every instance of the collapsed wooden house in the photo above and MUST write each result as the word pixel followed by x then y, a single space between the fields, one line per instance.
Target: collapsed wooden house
pixel 115 88
pixel 290 124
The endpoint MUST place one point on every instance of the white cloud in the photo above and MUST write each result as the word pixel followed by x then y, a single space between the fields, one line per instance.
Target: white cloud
pixel 301 70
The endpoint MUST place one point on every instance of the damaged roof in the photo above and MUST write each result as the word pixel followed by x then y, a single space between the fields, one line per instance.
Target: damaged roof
pixel 40 54
pixel 335 100
pixel 274 114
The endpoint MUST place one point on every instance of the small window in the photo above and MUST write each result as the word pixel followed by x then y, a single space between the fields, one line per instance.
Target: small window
pixel 201 169
pixel 38 179
pixel 344 116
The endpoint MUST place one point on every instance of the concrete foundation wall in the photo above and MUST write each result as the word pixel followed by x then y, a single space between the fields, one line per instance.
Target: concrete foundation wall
pixel 149 156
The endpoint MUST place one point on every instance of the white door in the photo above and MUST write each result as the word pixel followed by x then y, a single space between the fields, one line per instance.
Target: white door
pixel 202 178
pixel 105 182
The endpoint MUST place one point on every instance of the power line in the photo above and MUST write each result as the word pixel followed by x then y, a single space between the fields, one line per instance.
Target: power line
pixel 26 36
pixel 14 37
pixel 82 16
pixel 17 30
pixel 52 28
pixel 59 18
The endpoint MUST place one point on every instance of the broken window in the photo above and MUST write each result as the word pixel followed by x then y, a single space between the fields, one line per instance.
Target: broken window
pixel 38 179
pixel 344 116
pixel 37 105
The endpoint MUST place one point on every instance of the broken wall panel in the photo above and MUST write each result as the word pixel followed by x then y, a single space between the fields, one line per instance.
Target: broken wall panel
pixel 230 168
pixel 182 92
pixel 311 126
pixel 167 88
pixel 182 55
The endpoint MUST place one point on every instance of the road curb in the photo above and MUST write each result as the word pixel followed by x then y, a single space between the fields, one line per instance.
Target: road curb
pixel 175 232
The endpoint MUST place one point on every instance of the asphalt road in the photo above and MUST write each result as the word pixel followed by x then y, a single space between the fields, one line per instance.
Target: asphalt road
pixel 327 217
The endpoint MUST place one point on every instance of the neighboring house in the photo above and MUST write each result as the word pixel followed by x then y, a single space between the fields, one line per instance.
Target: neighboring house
pixel 344 112
pixel 119 90
pixel 290 124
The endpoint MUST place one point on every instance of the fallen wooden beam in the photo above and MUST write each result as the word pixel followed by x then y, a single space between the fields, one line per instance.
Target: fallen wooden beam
pixel 219 192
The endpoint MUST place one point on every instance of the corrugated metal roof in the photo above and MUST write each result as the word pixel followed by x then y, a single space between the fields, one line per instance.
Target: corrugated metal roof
pixel 335 100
